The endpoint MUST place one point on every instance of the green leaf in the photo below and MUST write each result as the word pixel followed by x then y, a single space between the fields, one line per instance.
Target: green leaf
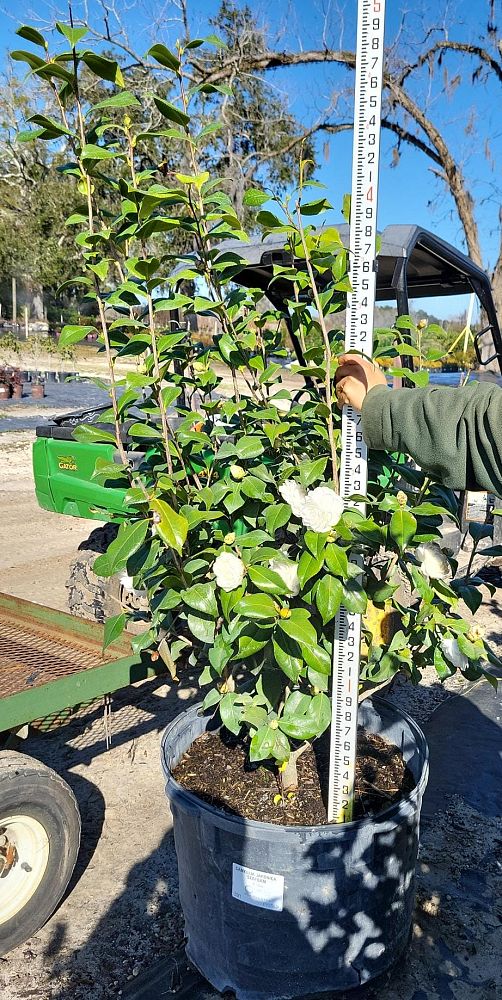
pixel 354 597
pixel 92 434
pixel 311 471
pixel 201 597
pixel 310 724
pixel 420 378
pixel 231 713
pixel 479 531
pixel 256 606
pixel 443 666
pixel 130 537
pixel 140 430
pixel 173 114
pixel 124 99
pixel 93 152
pixel 492 550
pixel 286 657
pixel 73 35
pixel 162 55
pixel 276 517
pixel 303 633
pixel 19 55
pixel 308 567
pixel 114 627
pixel 268 742
pixel 328 597
pixel 336 559
pixel 255 197
pixel 421 585
pixel 201 627
pixel 402 527
pixel 170 526
pixel 473 650
pixel 266 580
pixel 74 334
pixel 268 220
pixel 106 69
pixel 255 716
pixel 31 35
pixel 249 447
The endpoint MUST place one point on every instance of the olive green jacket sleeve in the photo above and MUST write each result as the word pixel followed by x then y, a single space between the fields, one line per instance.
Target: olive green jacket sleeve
pixel 454 434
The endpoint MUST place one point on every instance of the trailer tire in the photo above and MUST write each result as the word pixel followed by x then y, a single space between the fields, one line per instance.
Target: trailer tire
pixel 94 597
pixel 91 596
pixel 39 842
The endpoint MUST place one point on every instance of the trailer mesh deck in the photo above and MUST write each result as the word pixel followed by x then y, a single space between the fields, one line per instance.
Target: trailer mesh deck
pixel 35 652
pixel 51 661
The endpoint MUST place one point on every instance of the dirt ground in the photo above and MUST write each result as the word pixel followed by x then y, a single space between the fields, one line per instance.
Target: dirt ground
pixel 122 911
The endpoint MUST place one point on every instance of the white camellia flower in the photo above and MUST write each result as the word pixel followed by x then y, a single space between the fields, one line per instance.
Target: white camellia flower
pixel 433 561
pixel 450 648
pixel 229 571
pixel 288 572
pixel 295 495
pixel 322 509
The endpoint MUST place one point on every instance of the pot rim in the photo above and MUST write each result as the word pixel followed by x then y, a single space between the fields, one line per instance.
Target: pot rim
pixel 403 805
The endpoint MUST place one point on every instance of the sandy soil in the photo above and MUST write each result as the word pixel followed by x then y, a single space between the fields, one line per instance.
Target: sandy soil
pixel 122 912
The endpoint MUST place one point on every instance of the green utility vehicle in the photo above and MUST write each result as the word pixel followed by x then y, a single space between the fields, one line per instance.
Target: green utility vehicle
pixel 412 264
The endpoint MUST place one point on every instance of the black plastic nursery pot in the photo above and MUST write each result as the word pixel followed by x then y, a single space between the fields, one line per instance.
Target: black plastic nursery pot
pixel 284 912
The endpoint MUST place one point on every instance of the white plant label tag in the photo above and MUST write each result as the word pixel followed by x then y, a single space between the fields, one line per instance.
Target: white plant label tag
pixel 258 888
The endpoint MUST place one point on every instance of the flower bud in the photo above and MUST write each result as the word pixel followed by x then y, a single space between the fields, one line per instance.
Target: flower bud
pixel 230 538
pixel 273 724
pixel 284 613
pixel 422 323
pixel 237 472
pixel 401 498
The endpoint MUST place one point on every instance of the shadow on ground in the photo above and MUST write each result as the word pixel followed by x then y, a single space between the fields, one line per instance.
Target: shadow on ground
pixel 454 953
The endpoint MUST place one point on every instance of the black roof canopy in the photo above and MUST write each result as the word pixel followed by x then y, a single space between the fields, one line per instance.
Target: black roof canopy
pixel 432 266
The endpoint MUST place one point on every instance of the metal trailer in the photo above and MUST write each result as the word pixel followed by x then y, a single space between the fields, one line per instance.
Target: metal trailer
pixel 50 663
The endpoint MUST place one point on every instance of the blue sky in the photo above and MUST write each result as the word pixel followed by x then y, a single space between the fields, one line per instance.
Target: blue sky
pixel 409 193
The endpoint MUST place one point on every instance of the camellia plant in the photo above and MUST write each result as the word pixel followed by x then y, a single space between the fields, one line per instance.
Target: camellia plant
pixel 236 531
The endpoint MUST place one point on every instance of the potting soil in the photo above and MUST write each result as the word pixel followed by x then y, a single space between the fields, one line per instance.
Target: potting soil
pixel 218 771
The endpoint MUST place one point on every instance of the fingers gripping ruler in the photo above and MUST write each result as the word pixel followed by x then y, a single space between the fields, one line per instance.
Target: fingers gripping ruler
pixel 358 337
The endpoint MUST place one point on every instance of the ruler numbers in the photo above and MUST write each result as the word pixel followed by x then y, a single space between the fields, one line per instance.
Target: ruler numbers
pixel 358 337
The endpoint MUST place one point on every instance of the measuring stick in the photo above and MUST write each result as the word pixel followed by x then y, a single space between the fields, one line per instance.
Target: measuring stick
pixel 358 337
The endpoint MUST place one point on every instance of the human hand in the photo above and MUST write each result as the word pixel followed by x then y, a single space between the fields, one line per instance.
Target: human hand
pixel 354 378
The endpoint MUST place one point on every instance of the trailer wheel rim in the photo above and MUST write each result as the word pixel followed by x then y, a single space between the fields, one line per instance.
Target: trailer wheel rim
pixel 20 880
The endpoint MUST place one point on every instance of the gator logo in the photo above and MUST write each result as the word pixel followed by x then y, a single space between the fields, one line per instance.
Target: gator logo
pixel 67 462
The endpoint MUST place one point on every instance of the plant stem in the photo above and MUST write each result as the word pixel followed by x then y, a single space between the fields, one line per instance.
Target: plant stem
pixel 327 351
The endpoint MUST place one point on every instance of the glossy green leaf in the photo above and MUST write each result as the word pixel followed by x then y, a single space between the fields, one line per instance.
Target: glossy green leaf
pixel 336 559
pixel 162 55
pixel 73 35
pixel 201 626
pixel 276 517
pixel 256 606
pixel 127 542
pixel 402 527
pixel 286 657
pixel 231 713
pixel 106 69
pixel 266 580
pixel 31 35
pixel 114 627
pixel 170 526
pixel 169 111
pixel 328 597
pixel 124 99
pixel 74 334
pixel 92 434
pixel 201 597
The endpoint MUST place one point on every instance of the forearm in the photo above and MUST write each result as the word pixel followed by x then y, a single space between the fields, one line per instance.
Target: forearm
pixel 454 434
